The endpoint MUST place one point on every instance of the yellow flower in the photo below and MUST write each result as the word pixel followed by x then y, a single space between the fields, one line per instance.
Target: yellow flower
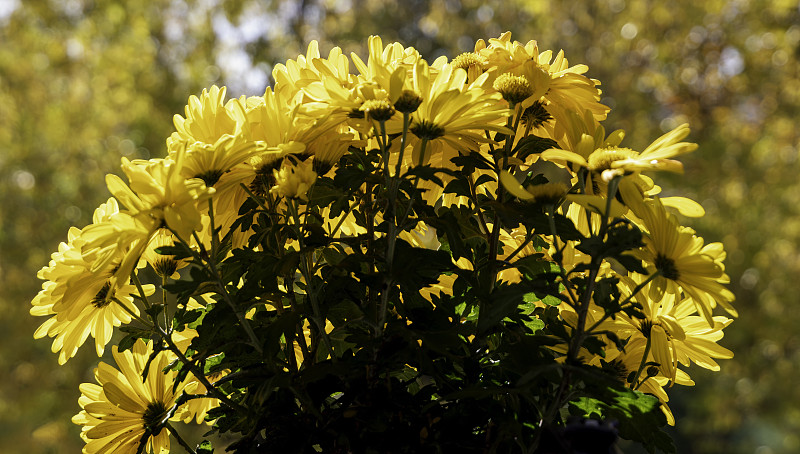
pixel 209 119
pixel 608 159
pixel 121 409
pixel 684 262
pixel 81 298
pixel 453 113
pixel 157 195
pixel 292 77
pixel 560 87
pixel 294 179
pixel 163 265
pixel 674 332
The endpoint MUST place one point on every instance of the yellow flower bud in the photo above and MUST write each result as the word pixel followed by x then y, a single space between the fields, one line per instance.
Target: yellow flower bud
pixel 294 179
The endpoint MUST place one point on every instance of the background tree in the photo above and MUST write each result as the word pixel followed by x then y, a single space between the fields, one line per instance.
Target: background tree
pixel 83 83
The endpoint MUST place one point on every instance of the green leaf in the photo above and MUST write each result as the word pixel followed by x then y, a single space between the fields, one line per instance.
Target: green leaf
pixel 204 448
pixel 533 144
pixel 639 415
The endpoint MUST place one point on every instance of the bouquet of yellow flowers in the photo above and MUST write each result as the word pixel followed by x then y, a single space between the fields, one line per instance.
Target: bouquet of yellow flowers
pixel 391 255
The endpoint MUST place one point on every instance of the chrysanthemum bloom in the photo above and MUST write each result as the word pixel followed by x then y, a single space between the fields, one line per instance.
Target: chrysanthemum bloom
pixel 452 115
pixel 210 119
pixel 156 196
pixel 673 330
pixel 650 381
pixel 121 409
pixel 558 87
pixel 606 159
pixel 163 264
pixel 471 62
pixel 684 262
pixel 292 77
pixel 83 300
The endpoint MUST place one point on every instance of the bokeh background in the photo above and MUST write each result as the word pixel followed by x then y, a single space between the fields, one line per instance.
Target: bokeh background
pixel 83 83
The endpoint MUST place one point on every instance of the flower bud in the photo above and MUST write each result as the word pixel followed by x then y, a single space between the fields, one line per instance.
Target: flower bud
pixel 514 89
pixel 294 179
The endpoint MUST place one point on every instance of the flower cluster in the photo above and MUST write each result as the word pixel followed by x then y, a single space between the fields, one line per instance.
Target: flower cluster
pixel 343 212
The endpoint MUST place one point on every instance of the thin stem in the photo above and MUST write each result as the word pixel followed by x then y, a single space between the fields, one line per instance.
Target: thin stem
pixel 306 271
pixel 625 302
pixel 253 196
pixel 167 324
pixel 635 383
pixel 199 374
pixel 222 291
pixel 180 440
pixel 406 122
pixel 132 314
pixel 138 283
pixel 573 297
pixel 214 232
pixel 519 248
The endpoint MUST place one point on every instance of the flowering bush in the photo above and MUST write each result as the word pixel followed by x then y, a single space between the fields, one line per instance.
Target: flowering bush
pixel 420 257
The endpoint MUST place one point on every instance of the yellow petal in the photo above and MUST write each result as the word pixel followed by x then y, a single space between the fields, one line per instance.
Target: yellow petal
pixel 512 185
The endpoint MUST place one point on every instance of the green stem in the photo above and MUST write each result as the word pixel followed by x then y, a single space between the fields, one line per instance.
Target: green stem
pixel 406 122
pixel 199 374
pixel 214 232
pixel 635 383
pixel 222 291
pixel 138 283
pixel 305 269
pixel 552 221
pixel 253 196
pixel 624 302
pixel 180 440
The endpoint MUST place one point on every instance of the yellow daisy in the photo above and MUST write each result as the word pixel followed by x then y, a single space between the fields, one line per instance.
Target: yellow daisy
pixel 558 87
pixel 684 262
pixel 674 332
pixel 80 299
pixel 453 115
pixel 607 159
pixel 120 409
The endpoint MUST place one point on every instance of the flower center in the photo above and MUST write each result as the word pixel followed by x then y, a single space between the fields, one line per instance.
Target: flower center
pixel 621 372
pixel 427 130
pixel 548 193
pixel 468 60
pixel 210 177
pixel 647 326
pixel 101 299
pixel 602 159
pixel 667 267
pixel 536 115
pixel 408 102
pixel 153 417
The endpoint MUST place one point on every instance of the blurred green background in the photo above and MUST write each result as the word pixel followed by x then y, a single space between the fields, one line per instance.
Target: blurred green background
pixel 83 83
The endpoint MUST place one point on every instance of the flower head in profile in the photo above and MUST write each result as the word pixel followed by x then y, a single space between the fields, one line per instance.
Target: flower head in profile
pixel 607 159
pixel 684 262
pixel 121 410
pixel 157 195
pixel 80 298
